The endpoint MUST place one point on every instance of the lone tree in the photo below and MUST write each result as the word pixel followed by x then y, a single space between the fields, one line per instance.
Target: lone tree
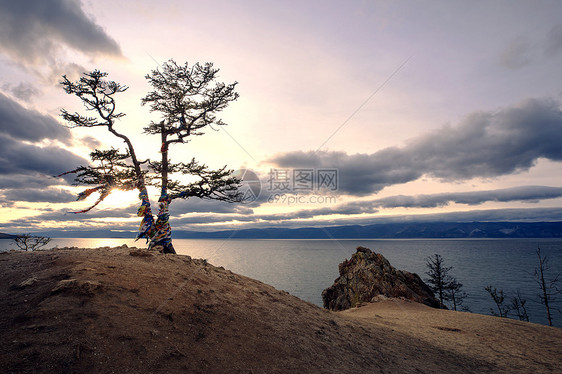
pixel 442 283
pixel 548 286
pixel 499 298
pixel 518 306
pixel 456 295
pixel 187 97
pixel 28 242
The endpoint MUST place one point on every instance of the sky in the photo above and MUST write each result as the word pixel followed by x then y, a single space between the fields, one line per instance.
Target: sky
pixel 350 112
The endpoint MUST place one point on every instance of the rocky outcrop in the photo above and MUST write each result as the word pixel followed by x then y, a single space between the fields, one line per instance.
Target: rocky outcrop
pixel 367 275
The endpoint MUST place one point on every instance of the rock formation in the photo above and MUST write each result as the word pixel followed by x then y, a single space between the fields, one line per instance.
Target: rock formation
pixel 367 275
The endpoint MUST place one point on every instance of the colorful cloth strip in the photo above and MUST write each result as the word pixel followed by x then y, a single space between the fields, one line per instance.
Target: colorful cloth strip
pixel 162 231
pixel 146 227
pixel 103 195
pixel 84 194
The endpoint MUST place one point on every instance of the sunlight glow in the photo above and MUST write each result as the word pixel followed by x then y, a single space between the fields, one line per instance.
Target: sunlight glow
pixel 121 199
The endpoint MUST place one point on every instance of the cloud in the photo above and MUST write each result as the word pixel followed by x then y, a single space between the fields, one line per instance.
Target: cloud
pixel 47 195
pixel 19 158
pixel 32 31
pixel 521 51
pixel 198 222
pixel 524 193
pixel 226 222
pixel 199 210
pixel 90 142
pixel 66 214
pixel 484 215
pixel 518 53
pixel 553 44
pixel 25 165
pixel 350 208
pixel 93 219
pixel 483 145
pixel 30 180
pixel 195 205
pixel 23 124
pixel 354 208
pixel 24 91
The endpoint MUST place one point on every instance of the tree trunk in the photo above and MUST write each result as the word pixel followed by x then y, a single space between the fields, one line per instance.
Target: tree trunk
pixel 164 234
pixel 164 151
pixel 544 288
pixel 454 298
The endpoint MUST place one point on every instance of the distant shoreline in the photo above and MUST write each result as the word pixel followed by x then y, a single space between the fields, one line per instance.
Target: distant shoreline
pixel 405 230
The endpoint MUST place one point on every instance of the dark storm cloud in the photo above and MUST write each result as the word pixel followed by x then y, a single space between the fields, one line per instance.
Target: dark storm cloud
pixel 66 216
pixel 24 124
pixel 33 30
pixel 485 215
pixel 31 180
pixel 47 195
pixel 358 174
pixel 17 158
pixel 484 145
pixel 24 165
pixel 525 193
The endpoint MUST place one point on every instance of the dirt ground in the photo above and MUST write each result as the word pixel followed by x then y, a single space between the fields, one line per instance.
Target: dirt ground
pixel 125 310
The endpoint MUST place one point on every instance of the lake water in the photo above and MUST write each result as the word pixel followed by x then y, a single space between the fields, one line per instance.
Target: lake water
pixel 306 267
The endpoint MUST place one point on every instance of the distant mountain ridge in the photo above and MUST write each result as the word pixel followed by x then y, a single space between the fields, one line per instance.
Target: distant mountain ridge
pixel 410 230
pixel 395 231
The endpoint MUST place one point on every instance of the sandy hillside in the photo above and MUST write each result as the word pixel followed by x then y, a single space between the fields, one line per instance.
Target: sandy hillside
pixel 125 310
